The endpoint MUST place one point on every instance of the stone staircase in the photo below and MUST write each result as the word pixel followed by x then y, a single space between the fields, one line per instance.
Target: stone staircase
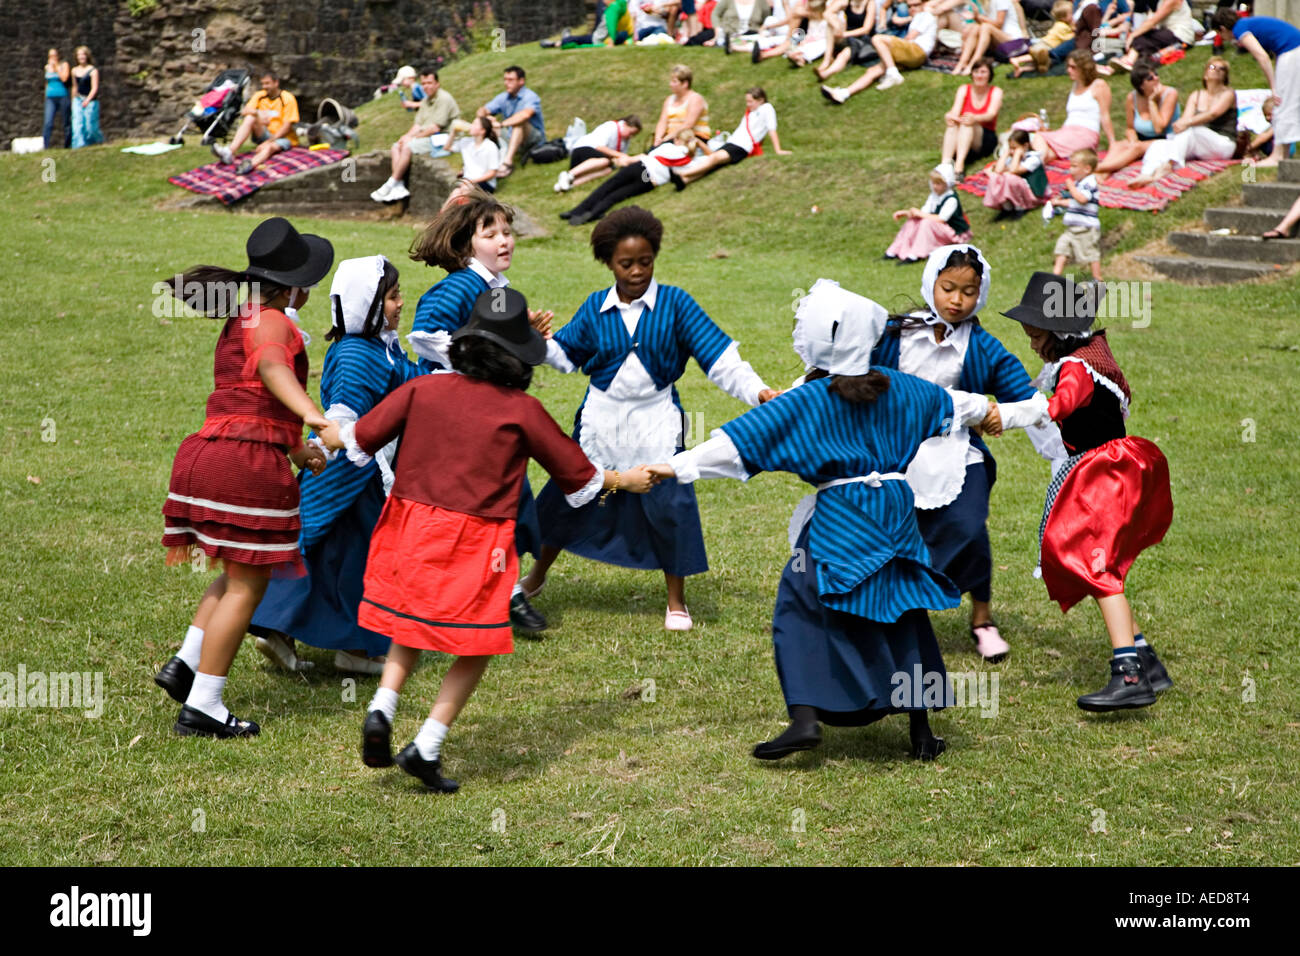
pixel 1213 259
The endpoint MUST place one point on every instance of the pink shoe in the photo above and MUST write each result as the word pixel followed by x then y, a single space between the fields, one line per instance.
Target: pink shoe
pixel 678 620
pixel 989 642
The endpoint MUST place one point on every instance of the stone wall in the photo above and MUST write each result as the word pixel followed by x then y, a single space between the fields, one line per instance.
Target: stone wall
pixel 156 60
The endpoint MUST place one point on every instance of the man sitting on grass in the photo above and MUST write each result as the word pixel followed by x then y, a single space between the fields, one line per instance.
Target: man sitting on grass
pixel 521 118
pixel 437 112
pixel 269 118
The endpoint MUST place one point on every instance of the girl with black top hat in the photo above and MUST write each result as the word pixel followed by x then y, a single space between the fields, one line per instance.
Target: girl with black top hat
pixel 1109 501
pixel 232 493
pixel 442 562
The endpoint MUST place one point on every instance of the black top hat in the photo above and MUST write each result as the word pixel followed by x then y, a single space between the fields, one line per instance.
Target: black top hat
pixel 1058 303
pixel 278 253
pixel 501 316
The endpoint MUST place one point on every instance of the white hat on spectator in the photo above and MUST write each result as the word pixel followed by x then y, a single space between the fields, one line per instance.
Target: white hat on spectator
pixel 405 73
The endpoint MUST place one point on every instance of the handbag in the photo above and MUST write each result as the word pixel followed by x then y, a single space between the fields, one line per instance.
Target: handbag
pixel 551 151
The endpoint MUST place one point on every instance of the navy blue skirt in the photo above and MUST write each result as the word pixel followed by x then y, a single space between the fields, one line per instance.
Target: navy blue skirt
pixel 321 608
pixel 659 530
pixel 853 670
pixel 528 532
pixel 958 536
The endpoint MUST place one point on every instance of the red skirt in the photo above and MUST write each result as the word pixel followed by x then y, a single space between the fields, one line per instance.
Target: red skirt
pixel 440 580
pixel 235 500
pixel 1111 506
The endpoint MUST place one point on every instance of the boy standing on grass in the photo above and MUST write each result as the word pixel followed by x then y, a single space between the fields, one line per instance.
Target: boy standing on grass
pixel 1081 240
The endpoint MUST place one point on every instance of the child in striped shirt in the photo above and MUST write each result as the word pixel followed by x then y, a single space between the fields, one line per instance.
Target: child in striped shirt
pixel 1081 240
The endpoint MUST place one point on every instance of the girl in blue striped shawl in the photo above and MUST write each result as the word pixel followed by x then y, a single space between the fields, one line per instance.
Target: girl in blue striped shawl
pixel 633 341
pixel 340 506
pixel 852 637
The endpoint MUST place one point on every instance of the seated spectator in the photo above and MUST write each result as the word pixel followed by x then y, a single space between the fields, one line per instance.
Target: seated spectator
pixel 972 123
pixel 652 16
pixel 520 110
pixel 896 18
pixel 599 152
pixel 437 113
pixel 269 118
pixel 683 108
pixel 642 174
pixel 806 36
pixel 910 54
pixel 1039 55
pixel 1006 28
pixel 939 222
pixel 409 91
pixel 1149 111
pixel 851 22
pixel 731 20
pixel 612 27
pixel 758 122
pixel 774 30
pixel 480 156
pixel 1170 25
pixel 1206 130
pixel 1087 111
pixel 1018 181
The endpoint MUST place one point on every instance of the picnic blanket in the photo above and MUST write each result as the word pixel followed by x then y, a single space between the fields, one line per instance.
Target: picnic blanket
pixel 942 60
pixel 218 179
pixel 1114 195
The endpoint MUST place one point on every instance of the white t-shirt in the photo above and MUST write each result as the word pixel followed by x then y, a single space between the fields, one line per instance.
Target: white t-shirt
pixel 606 134
pixel 1011 22
pixel 646 18
pixel 760 122
pixel 926 28
pixel 479 158
pixel 675 157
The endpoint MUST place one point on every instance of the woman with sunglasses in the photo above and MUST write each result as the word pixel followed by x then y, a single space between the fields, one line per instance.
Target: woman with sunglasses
pixel 1206 130
pixel 1149 112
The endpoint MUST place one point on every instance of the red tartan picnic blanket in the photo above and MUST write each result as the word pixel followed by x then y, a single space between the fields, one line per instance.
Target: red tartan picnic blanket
pixel 217 179
pixel 1114 195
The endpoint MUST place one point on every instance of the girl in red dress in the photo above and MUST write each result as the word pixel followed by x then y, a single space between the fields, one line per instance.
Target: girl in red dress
pixel 442 561
pixel 1109 501
pixel 232 493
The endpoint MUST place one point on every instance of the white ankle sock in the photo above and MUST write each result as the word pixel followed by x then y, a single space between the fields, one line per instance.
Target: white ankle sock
pixel 205 696
pixel 384 701
pixel 429 740
pixel 518 588
pixel 192 647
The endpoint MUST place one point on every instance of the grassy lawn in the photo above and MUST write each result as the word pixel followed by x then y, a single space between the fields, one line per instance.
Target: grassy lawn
pixel 557 764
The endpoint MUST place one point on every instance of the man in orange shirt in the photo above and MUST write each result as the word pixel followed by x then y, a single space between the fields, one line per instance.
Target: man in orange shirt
pixel 269 118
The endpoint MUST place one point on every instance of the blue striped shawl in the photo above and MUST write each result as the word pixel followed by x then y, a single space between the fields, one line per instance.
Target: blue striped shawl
pixel 446 306
pixel 868 552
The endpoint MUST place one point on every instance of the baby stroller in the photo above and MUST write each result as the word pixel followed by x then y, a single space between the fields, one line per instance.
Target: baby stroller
pixel 217 107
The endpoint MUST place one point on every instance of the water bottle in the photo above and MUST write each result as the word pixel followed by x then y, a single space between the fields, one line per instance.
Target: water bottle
pixel 1042 119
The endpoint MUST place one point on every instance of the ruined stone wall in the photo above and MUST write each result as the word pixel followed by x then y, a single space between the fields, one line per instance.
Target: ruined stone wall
pixel 156 56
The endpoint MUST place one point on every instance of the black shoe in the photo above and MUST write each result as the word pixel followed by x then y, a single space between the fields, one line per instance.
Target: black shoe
pixel 581 217
pixel 524 616
pixel 1015 214
pixel 244 168
pixel 567 213
pixel 1155 671
pixel 754 53
pixel 678 183
pixel 195 723
pixel 176 678
pixel 797 736
pixel 927 748
pixel 426 770
pixel 1128 688
pixel 376 742
pixel 726 43
pixel 1003 214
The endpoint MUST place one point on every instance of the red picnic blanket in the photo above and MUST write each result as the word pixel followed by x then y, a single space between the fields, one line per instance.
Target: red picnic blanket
pixel 1114 195
pixel 218 179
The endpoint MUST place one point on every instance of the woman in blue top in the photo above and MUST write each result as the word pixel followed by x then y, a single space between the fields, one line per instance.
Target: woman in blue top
pixel 953 476
pixel 58 101
pixel 633 341
pixel 852 637
pixel 340 506
pixel 1150 111
pixel 472 239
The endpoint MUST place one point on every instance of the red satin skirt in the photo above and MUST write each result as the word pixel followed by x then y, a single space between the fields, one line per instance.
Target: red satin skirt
pixel 440 580
pixel 1112 506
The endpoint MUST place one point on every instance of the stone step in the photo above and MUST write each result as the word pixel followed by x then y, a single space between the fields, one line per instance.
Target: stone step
pixel 1289 171
pixel 1199 271
pixel 1236 248
pixel 1278 196
pixel 1247 220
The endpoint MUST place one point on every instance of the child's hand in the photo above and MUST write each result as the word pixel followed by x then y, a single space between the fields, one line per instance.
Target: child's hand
pixel 660 472
pixel 309 457
pixel 329 434
pixel 767 394
pixel 899 213
pixel 992 424
pixel 637 480
pixel 316 421
pixel 541 320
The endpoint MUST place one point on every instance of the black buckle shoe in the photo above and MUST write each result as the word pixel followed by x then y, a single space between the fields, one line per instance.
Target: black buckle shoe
pixel 524 616
pixel 176 678
pixel 195 723
pixel 795 738
pixel 426 771
pixel 1128 688
pixel 1155 671
pixel 927 748
pixel 376 740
